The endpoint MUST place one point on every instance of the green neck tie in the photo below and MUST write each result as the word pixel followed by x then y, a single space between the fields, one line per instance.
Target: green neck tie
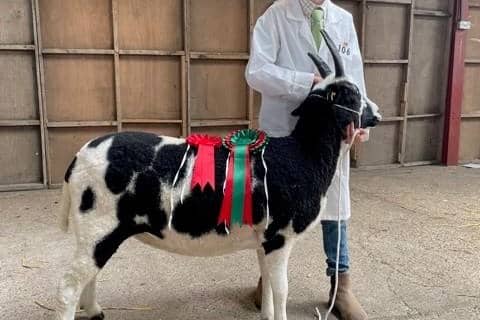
pixel 318 23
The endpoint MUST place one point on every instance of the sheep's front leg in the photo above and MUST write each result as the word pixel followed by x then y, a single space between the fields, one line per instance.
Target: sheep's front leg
pixel 267 298
pixel 276 264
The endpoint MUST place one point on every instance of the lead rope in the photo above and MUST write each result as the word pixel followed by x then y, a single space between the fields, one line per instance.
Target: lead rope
pixel 339 220
pixel 266 188
pixel 225 185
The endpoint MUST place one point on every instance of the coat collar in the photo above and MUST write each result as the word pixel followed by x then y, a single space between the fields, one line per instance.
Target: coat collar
pixel 295 12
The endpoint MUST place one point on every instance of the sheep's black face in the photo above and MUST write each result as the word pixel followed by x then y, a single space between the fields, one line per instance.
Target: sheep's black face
pixel 341 101
pixel 337 91
pixel 345 99
pixel 350 104
pixel 370 116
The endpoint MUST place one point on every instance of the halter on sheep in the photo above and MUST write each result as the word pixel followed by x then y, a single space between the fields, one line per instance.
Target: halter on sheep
pixel 120 185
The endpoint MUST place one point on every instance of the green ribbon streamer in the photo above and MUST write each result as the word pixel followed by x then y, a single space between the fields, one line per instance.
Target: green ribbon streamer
pixel 239 170
pixel 240 154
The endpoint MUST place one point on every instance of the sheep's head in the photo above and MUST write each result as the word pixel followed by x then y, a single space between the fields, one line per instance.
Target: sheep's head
pixel 339 94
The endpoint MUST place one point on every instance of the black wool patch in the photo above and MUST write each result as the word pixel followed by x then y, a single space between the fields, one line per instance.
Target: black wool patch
pixel 130 152
pixel 99 316
pixel 88 200
pixel 273 244
pixel 198 215
pixel 167 161
pixel 96 142
pixel 144 202
pixel 70 168
pixel 105 249
pixel 294 186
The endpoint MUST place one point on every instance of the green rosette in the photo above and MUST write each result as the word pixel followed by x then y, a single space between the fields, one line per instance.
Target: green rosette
pixel 241 143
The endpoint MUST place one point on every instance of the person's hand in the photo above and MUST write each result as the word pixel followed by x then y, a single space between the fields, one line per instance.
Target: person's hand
pixel 362 135
pixel 317 79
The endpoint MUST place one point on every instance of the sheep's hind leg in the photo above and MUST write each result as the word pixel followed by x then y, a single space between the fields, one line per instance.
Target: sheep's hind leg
pixel 88 301
pixel 82 271
pixel 94 248
pixel 276 264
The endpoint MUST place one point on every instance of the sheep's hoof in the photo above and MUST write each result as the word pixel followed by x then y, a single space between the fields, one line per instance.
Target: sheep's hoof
pixel 100 316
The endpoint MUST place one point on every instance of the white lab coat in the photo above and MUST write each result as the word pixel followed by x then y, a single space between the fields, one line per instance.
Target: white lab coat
pixel 281 71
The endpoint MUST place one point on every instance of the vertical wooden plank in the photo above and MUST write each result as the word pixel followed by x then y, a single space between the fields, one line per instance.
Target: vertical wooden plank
pixel 39 95
pixel 184 69
pixel 116 65
pixel 251 24
pixel 41 85
pixel 183 81
pixel 404 103
pixel 354 154
pixel 187 74
pixel 364 26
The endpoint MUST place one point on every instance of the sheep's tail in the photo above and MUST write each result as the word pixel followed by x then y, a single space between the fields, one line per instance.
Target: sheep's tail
pixel 65 210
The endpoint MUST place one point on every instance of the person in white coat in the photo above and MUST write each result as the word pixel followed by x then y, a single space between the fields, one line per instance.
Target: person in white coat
pixel 280 69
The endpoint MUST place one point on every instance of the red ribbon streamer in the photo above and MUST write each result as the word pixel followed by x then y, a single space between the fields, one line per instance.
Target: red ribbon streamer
pixel 204 168
pixel 204 171
pixel 226 210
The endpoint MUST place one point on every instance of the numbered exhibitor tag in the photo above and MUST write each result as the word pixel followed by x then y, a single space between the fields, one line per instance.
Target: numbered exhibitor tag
pixel 345 49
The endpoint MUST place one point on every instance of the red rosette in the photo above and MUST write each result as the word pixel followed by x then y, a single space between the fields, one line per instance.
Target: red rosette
pixel 204 167
pixel 204 139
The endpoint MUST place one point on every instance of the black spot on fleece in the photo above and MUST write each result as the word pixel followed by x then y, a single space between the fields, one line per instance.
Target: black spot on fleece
pixel 88 200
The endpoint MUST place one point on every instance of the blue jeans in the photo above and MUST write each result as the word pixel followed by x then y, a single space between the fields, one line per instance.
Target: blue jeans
pixel 330 234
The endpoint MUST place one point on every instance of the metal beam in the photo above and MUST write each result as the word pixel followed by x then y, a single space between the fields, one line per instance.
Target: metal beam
pixel 456 75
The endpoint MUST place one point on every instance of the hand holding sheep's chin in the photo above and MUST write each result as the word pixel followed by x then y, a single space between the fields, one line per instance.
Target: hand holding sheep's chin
pixel 317 79
pixel 361 136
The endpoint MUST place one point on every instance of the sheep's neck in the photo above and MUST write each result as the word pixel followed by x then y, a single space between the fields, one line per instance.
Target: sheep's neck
pixel 320 138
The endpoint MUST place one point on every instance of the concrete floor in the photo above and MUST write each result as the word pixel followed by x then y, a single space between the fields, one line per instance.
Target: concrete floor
pixel 415 240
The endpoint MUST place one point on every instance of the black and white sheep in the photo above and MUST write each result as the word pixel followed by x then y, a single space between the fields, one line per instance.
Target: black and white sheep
pixel 119 186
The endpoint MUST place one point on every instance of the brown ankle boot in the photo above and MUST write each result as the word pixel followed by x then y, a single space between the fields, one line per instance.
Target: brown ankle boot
pixel 346 306
pixel 257 299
